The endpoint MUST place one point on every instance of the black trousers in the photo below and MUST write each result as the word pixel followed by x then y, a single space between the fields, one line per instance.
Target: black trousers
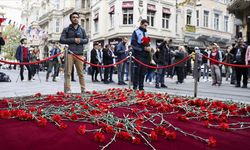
pixel 29 71
pixel 241 72
pixel 111 74
pixel 106 73
pixel 94 73
pixel 138 76
pixel 180 73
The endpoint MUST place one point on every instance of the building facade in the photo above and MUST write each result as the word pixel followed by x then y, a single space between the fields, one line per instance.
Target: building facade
pixel 240 8
pixel 114 19
pixel 187 22
pixel 50 17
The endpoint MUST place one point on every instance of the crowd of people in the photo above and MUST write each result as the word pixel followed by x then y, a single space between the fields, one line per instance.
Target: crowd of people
pixel 74 37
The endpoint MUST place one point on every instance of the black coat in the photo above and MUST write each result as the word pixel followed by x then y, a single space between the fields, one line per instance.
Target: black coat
pixel 107 57
pixel 164 54
pixel 93 57
pixel 243 55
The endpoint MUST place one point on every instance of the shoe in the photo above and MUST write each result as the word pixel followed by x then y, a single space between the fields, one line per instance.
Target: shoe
pixel 97 80
pixel 164 86
pixel 120 83
pixel 231 82
pixel 213 84
pixel 111 81
pixel 219 84
pixel 106 82
pixel 244 86
pixel 177 82
pixel 54 80
pixel 124 83
pixel 141 89
pixel 157 86
pixel 102 80
pixel 73 80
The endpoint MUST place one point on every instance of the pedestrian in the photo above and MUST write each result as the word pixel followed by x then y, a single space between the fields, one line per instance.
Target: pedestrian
pixel 100 58
pixel 164 59
pixel 121 51
pixel 179 68
pixel 107 60
pixel 112 50
pixel 228 60
pixel 205 64
pixel 55 62
pixel 215 69
pixel 23 55
pixel 140 52
pixel 199 63
pixel 94 60
pixel 2 42
pixel 248 60
pixel 239 58
pixel 75 36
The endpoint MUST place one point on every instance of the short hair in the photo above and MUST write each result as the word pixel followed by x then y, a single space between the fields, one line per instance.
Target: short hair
pixel 74 13
pixel 23 39
pixel 144 21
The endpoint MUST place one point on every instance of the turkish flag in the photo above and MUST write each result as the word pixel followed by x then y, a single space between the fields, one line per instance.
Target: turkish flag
pixel 2 20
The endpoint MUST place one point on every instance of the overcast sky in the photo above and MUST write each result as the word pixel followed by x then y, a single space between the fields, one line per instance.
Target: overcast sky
pixel 12 9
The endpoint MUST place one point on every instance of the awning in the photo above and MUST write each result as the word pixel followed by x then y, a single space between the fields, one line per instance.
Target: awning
pixel 96 16
pixel 151 7
pixel 112 10
pixel 128 4
pixel 196 43
pixel 166 11
pixel 238 5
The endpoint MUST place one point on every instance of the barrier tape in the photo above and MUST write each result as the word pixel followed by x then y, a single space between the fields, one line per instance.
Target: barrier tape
pixel 100 66
pixel 227 64
pixel 30 63
pixel 162 67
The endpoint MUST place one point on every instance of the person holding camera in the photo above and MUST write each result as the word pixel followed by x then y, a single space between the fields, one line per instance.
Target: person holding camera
pixel 75 36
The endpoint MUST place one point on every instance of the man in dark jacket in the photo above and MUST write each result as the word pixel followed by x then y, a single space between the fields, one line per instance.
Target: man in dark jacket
pixel 121 51
pixel 94 60
pixel 140 52
pixel 75 36
pixel 23 55
pixel 107 60
pixel 239 54
pixel 2 42
pixel 164 59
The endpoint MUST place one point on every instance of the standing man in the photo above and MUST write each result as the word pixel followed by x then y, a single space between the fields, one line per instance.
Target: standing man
pixel 121 51
pixel 94 60
pixel 141 52
pixel 239 57
pixel 2 42
pixel 164 59
pixel 75 36
pixel 23 55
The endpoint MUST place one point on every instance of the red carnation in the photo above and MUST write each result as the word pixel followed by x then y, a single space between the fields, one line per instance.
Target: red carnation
pixel 182 118
pixel 81 130
pixel 146 41
pixel 32 109
pixel 56 118
pixel 153 136
pixel 224 126
pixel 170 135
pixel 99 137
pixel 136 140
pixel 42 122
pixel 207 125
pixel 120 125
pixel 63 126
pixel 109 129
pixel 5 114
pixel 211 141
pixel 38 95
pixel 74 117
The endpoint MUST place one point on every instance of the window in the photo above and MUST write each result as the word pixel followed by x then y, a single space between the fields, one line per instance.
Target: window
pixel 189 17
pixel 87 24
pixel 88 3
pixel 96 22
pixel 57 25
pixel 205 19
pixel 165 20
pixel 111 15
pixel 127 15
pixel 77 4
pixel 216 21
pixel 197 18
pixel 83 23
pixel 151 17
pixel 226 23
pixel 83 3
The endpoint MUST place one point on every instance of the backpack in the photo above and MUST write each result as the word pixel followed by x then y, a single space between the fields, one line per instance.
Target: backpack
pixel 4 77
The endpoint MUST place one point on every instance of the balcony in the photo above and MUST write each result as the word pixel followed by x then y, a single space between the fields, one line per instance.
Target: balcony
pixel 190 28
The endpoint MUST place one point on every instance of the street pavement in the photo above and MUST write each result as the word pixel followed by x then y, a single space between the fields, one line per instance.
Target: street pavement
pixel 205 90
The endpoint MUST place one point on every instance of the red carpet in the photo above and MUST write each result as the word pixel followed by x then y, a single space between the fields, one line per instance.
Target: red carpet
pixel 181 116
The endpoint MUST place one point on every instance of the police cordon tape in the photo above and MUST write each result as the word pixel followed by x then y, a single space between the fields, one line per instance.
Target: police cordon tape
pixel 226 64
pixel 29 63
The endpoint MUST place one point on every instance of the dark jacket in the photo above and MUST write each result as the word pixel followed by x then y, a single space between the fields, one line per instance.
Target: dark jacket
pixel 55 51
pixel 138 49
pixel 107 57
pixel 120 51
pixel 178 57
pixel 68 37
pixel 243 55
pixel 93 57
pixel 19 54
pixel 2 42
pixel 164 54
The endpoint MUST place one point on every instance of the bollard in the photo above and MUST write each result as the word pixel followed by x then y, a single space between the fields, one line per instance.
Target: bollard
pixel 130 70
pixel 196 73
pixel 65 68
